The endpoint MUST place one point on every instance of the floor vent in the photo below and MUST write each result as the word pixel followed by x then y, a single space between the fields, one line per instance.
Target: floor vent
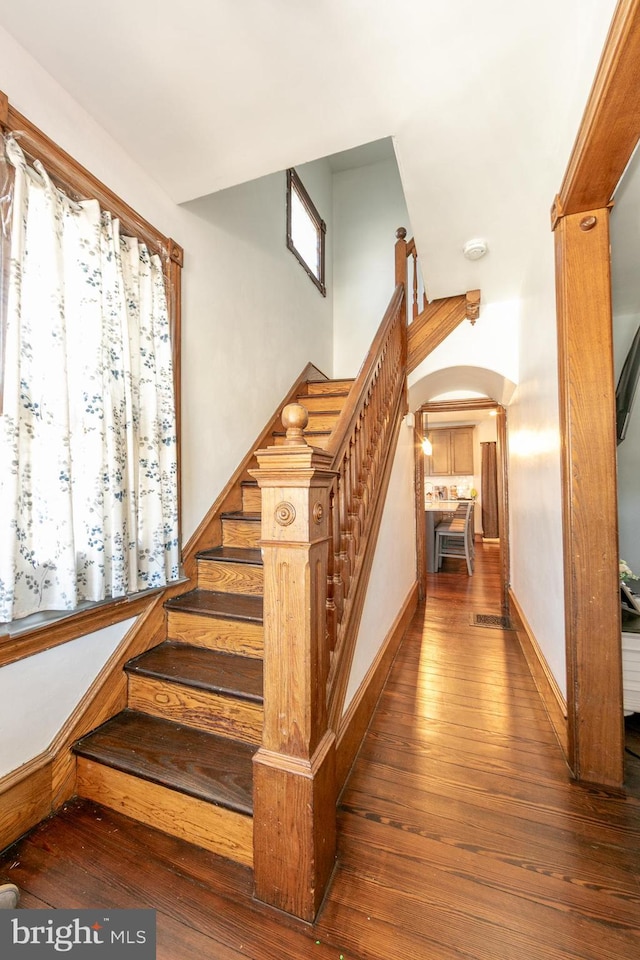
pixel 490 620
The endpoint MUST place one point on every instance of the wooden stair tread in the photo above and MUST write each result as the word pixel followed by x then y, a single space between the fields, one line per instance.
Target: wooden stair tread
pixel 232 555
pixel 211 670
pixel 211 603
pixel 201 765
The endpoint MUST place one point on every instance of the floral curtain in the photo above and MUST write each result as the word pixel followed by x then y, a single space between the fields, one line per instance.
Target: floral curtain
pixel 88 471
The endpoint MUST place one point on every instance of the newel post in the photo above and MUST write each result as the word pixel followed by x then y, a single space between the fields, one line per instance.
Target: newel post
pixel 401 257
pixel 294 813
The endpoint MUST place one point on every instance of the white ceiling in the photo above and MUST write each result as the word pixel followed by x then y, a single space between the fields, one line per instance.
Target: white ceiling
pixel 482 98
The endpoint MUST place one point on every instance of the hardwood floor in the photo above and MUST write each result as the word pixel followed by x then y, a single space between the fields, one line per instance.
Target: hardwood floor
pixel 460 833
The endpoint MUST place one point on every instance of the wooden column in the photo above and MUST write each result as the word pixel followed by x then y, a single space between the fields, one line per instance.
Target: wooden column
pixel 590 521
pixel 294 769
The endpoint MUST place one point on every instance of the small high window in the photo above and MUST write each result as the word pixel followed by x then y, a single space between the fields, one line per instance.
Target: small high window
pixel 305 230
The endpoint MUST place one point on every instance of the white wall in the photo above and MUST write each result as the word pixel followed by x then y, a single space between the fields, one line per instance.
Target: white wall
pixel 368 208
pixel 535 507
pixel 492 343
pixel 394 567
pixel 38 694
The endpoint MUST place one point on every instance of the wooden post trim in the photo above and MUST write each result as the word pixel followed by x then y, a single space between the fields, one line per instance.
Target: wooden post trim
pixel 590 516
pixel 295 792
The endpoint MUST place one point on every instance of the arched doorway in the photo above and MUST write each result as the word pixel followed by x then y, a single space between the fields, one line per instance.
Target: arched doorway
pixel 476 392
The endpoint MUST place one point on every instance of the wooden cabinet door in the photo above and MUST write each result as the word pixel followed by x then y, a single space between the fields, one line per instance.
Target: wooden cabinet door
pixel 440 459
pixel 462 451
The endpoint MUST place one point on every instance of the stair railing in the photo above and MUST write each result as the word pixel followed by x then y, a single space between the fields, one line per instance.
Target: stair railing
pixel 321 513
pixel 361 446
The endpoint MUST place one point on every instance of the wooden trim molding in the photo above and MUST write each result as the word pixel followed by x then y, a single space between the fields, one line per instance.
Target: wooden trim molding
pixel 550 693
pixel 25 799
pixel 610 125
pixel 587 424
pixel 604 144
pixel 357 717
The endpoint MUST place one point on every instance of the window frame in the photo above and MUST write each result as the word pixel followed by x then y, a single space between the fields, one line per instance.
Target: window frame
pixel 18 638
pixel 294 183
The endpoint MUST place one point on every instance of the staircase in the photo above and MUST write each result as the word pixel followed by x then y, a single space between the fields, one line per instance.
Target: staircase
pixel 179 757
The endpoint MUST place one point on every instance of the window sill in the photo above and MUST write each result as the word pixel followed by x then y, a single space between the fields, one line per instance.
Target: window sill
pixel 24 638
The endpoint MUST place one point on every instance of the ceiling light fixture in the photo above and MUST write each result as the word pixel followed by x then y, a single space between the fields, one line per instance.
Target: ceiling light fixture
pixel 475 249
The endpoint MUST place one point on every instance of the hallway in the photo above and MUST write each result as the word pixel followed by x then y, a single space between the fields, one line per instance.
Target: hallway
pixel 461 836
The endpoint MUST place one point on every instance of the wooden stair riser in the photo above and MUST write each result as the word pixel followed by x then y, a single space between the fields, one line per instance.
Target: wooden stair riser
pixel 315 387
pixel 251 498
pixel 322 441
pixel 323 420
pixel 238 532
pixel 212 712
pixel 217 829
pixel 213 633
pixel 322 403
pixel 245 578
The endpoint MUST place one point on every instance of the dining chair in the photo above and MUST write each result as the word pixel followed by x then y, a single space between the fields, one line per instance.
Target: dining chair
pixel 454 537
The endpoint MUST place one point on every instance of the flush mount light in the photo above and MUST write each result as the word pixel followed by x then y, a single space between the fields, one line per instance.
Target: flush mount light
pixel 474 249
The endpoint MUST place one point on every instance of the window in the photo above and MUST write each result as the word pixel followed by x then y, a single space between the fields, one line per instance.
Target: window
pixel 89 427
pixel 305 230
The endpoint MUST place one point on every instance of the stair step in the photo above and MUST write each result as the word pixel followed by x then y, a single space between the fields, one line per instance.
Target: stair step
pixel 189 784
pixel 231 570
pixel 210 670
pixel 212 603
pixel 241 529
pixel 314 387
pixel 322 419
pixel 217 621
pixel 208 690
pixel 200 765
pixel 251 496
pixel 323 401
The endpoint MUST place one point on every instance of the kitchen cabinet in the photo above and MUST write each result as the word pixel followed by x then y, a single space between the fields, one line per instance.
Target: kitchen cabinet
pixel 452 454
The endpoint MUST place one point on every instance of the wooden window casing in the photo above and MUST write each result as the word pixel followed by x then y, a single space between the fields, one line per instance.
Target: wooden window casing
pixel 78 183
pixel 317 275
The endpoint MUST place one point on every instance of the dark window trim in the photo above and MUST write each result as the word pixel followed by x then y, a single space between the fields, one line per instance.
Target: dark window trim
pixel 295 183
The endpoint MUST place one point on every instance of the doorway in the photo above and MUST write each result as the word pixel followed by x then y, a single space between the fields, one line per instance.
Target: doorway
pixel 469 411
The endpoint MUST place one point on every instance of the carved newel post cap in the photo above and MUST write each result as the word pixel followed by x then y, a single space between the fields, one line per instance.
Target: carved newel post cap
pixel 401 233
pixel 295 417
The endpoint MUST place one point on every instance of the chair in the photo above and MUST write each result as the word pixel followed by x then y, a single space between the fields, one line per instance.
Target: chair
pixel 454 537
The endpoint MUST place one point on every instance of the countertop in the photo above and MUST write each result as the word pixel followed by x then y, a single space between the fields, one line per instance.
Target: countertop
pixel 443 505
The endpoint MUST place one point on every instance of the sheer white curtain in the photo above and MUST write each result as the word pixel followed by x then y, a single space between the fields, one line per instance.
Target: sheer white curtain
pixel 88 473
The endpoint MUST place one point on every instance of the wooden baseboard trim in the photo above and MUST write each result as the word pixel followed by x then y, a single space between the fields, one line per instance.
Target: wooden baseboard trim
pixel 550 693
pixel 356 719
pixel 25 798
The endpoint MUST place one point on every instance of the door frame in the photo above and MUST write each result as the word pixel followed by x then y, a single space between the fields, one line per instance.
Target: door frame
pixel 456 406
pixel 607 137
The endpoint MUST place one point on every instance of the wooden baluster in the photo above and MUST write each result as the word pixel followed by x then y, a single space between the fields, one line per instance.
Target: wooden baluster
pixel 343 501
pixel 331 565
pixel 414 257
pixel 349 477
pixel 338 583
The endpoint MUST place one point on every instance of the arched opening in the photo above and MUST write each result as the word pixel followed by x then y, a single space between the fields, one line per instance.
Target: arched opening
pixel 458 396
